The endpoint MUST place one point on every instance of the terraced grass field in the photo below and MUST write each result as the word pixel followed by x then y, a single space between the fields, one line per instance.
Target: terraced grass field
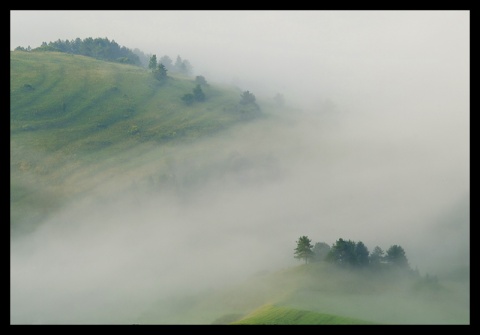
pixel 75 119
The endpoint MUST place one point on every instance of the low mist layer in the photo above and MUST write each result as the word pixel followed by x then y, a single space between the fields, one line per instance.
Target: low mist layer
pixel 233 206
pixel 378 153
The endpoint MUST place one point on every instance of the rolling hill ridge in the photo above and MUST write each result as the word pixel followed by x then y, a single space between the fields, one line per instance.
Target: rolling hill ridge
pixel 72 116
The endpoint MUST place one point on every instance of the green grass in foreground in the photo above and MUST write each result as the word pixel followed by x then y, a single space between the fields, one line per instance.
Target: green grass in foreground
pixel 279 315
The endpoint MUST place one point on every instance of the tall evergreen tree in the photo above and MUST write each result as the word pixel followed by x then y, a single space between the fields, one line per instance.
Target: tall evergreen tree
pixel 361 254
pixel 377 256
pixel 342 252
pixel 304 249
pixel 161 72
pixel 396 256
pixel 152 65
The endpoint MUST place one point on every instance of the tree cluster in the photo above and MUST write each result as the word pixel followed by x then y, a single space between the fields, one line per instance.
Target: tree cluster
pixel 247 106
pixel 247 98
pixel 350 253
pixel 197 95
pixel 99 48
pixel 180 66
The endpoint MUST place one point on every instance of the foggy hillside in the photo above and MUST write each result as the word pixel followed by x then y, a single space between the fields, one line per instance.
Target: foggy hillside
pixel 374 147
pixel 272 181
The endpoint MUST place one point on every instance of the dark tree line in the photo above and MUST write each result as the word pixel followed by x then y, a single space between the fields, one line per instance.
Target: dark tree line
pixel 350 253
pixel 99 48
pixel 104 49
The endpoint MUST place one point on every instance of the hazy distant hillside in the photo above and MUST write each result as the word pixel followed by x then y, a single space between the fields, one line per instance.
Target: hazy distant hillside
pixel 72 116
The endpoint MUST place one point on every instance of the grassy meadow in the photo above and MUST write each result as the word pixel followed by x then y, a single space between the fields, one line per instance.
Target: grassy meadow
pixel 75 120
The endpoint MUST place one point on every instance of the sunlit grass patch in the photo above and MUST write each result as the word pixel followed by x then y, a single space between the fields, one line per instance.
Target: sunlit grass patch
pixel 279 315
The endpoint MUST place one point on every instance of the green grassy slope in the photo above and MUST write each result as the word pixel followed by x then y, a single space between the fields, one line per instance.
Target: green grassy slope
pixel 74 117
pixel 317 293
pixel 78 103
pixel 385 297
pixel 279 315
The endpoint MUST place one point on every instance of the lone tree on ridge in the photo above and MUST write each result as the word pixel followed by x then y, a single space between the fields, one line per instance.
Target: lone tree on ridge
pixel 304 249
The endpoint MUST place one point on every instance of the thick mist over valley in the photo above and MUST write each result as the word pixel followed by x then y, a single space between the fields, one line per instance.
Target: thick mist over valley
pixel 371 145
pixel 124 250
